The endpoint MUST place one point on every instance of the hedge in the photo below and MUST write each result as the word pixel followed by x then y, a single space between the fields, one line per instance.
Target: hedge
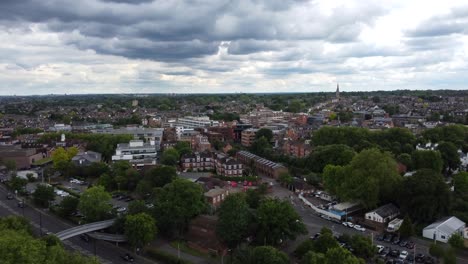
pixel 165 257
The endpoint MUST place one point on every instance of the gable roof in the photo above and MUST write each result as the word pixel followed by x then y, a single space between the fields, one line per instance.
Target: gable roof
pixel 386 210
pixel 90 156
pixel 447 225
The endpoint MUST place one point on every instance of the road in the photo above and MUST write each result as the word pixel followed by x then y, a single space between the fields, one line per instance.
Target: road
pixel 106 252
pixel 314 224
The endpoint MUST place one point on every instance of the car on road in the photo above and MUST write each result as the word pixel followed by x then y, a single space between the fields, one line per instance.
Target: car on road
pixel 128 257
pixel 348 224
pixel 9 196
pixel 403 255
pixel 359 228
pixel 21 204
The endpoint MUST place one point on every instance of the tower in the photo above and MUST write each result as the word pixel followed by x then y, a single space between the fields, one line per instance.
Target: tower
pixel 337 94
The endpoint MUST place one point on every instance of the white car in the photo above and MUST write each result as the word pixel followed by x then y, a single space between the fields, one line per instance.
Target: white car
pixel 403 255
pixel 121 209
pixel 380 248
pixel 348 224
pixel 359 228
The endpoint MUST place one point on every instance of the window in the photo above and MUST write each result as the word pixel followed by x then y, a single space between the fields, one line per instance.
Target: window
pixel 443 237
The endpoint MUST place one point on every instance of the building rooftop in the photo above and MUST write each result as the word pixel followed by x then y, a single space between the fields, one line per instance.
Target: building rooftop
pixel 447 225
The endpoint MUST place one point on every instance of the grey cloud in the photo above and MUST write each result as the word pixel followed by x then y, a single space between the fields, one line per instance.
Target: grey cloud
pixel 456 22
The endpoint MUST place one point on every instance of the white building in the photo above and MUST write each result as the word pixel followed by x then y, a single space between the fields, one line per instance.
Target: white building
pixel 443 229
pixel 153 135
pixel 383 214
pixel 196 122
pixel 136 152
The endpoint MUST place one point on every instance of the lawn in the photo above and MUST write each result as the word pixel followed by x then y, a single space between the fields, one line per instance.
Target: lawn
pixel 42 161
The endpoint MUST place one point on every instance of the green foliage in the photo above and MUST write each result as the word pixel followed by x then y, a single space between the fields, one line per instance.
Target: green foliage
pixel 325 242
pixel 16 223
pixel 233 219
pixel 170 157
pixel 43 195
pixel 96 169
pixel 68 205
pixel 313 258
pixel 10 165
pixel 277 221
pixel 253 198
pixel 268 255
pixel 285 178
pixel 450 257
pixel 436 250
pixel 160 175
pixel 330 154
pixel 457 241
pixel 366 182
pixel 296 106
pixel 406 160
pixel 176 204
pixel 449 154
pixel 406 228
pixel 427 159
pixel 456 134
pixel 363 246
pixel 262 147
pixel 424 196
pixel 304 247
pixel 224 116
pixel 95 204
pixel 183 148
pixel 26 131
pixel 264 132
pixel 17 183
pixel 342 256
pixel 140 229
pixel 136 207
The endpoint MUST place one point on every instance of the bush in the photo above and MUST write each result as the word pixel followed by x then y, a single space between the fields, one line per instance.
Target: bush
pixel 165 257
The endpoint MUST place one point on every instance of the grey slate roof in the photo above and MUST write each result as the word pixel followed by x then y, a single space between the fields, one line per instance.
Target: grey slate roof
pixel 386 210
pixel 447 225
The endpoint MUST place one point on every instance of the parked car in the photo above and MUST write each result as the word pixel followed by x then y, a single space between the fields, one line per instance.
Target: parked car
pixel 359 228
pixel 410 258
pixel 314 237
pixel 128 257
pixel 9 196
pixel 410 245
pixel 380 248
pixel 419 258
pixel 348 224
pixel 380 237
pixel 403 255
pixel 385 252
pixel 388 238
pixel 429 260
pixel 21 204
pixel 396 240
pixel 121 209
pixel 394 253
pixel 403 243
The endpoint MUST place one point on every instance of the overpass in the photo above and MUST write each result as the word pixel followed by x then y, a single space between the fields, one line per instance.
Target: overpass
pixel 78 230
pixel 108 237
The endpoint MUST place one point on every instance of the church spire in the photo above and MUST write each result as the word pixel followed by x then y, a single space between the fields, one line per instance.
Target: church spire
pixel 338 91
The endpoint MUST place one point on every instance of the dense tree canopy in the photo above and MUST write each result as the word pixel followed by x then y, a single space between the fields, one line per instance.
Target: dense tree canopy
pixel 234 219
pixel 370 178
pixel 95 204
pixel 330 154
pixel 170 157
pixel 264 132
pixel 176 204
pixel 424 196
pixel 427 159
pixel 268 255
pixel 43 195
pixel 277 221
pixel 449 154
pixel 140 229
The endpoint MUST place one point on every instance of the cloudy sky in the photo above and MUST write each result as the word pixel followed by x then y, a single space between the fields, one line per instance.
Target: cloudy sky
pixel 203 46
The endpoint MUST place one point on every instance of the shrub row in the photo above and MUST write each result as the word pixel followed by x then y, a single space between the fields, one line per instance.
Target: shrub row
pixel 165 257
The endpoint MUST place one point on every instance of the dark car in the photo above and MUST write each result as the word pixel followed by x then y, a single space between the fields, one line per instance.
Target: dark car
pixel 429 260
pixel 314 237
pixel 9 196
pixel 419 258
pixel 396 240
pixel 410 245
pixel 403 243
pixel 385 252
pixel 128 257
pixel 410 258
pixel 380 237
pixel 84 237
pixel 388 238
pixel 129 199
pixel 394 253
pixel 21 204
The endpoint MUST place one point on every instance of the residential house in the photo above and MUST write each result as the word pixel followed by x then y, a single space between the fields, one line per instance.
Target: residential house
pixel 260 165
pixel 227 166
pixel 86 158
pixel 200 143
pixel 443 229
pixel 216 196
pixel 296 149
pixel 248 137
pixel 383 214
pixel 198 161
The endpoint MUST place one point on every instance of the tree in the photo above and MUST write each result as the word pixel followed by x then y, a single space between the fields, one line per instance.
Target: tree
pixel 43 195
pixel 366 182
pixel 261 147
pixel 436 251
pixel 313 258
pixel 342 256
pixel 170 157
pixel 136 207
pixel 233 219
pixel 62 158
pixel 449 154
pixel 16 223
pixel 285 178
pixel 268 255
pixel 68 205
pixel 160 176
pixel 450 257
pixel 424 196
pixel 96 169
pixel 405 159
pixel 176 204
pixel 325 242
pixel 427 159
pixel 460 183
pixel 140 229
pixel 183 148
pixel 304 247
pixel 264 132
pixel 406 228
pixel 337 154
pixel 277 220
pixel 253 198
pixel 457 241
pixel 95 204
pixel 17 183
pixel 363 247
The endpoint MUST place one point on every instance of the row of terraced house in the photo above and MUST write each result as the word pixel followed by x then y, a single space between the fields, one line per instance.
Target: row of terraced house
pixel 208 161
